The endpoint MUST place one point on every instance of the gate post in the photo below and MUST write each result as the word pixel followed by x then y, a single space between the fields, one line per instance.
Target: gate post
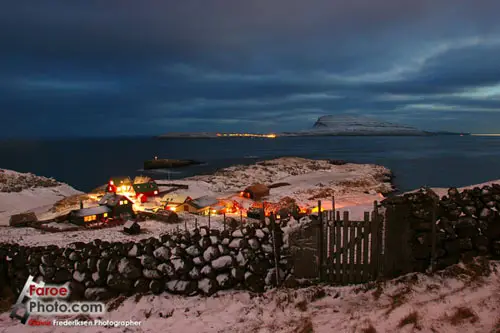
pixel 321 246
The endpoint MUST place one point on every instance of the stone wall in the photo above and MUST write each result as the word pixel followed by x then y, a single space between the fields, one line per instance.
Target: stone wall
pixel 467 225
pixel 200 261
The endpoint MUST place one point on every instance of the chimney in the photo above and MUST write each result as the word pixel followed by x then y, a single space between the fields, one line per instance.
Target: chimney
pixel 81 204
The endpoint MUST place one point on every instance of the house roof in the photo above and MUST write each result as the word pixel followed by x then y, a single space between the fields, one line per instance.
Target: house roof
pixel 143 179
pixel 175 198
pixel 258 189
pixel 112 199
pixel 91 211
pixel 121 180
pixel 203 202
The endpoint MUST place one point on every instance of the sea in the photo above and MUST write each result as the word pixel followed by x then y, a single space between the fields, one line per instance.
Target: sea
pixel 438 161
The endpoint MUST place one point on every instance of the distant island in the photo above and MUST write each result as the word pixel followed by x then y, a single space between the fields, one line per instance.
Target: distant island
pixel 330 125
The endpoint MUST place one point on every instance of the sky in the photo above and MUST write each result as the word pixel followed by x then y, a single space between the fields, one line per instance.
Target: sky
pixel 105 68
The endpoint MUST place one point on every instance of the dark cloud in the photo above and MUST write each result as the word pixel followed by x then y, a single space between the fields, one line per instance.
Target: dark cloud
pixel 110 67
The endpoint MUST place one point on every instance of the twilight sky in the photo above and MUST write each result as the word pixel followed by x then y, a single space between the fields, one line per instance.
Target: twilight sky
pixel 123 67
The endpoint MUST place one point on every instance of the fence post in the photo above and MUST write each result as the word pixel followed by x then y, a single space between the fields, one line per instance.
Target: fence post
pixel 275 247
pixel 209 211
pixel 196 223
pixel 224 221
pixel 320 244
pixel 241 216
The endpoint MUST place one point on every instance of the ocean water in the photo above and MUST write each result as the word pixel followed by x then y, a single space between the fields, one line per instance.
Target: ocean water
pixel 416 161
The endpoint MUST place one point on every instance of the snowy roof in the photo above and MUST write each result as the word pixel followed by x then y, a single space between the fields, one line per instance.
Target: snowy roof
pixel 91 211
pixel 111 199
pixel 175 197
pixel 129 224
pixel 204 201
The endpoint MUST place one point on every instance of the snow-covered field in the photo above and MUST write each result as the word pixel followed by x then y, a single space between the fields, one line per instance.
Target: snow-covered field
pixel 308 181
pixel 21 192
pixel 459 299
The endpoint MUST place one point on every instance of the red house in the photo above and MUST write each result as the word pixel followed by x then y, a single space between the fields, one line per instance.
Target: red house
pixel 144 188
pixel 119 185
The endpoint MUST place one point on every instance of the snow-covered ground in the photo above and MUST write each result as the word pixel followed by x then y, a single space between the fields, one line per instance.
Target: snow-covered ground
pixel 459 299
pixel 21 192
pixel 309 181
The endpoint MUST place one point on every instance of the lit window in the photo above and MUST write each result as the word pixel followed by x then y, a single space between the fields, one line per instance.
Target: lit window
pixel 105 215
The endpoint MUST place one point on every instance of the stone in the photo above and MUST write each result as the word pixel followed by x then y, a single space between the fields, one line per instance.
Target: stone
pixel 222 263
pixel 98 294
pixel 211 253
pixel 207 286
pixel 149 262
pixel 119 283
pixel 193 251
pixel 141 285
pixel 166 269
pixel 224 281
pixel 129 268
pixel 162 253
pixel 156 287
pixel 151 274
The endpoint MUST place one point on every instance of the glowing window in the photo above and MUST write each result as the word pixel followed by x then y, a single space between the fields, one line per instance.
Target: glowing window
pixel 105 215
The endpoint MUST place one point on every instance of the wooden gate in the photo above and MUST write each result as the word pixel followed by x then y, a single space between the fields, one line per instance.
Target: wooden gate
pixel 353 248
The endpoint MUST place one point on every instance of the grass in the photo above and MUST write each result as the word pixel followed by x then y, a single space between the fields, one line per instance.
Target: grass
pixel 462 315
pixel 410 319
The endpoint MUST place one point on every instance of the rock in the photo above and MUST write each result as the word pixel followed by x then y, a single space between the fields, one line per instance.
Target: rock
pixel 156 287
pixel 199 261
pixel 267 248
pixel 211 253
pixel 166 269
pixel 465 244
pixel 195 273
pixel 222 263
pixel 205 242
pixel 119 283
pixel 237 234
pixel 98 294
pixel 47 259
pixel 238 243
pixel 291 282
pixel 162 253
pixel 178 252
pixel 149 262
pixel 80 266
pixel 151 274
pixel 208 271
pixel 254 243
pixel 129 268
pixel 270 278
pixel 113 264
pixel 181 266
pixel 224 281
pixel 134 251
pixel 193 251
pixel 207 286
pixel 238 274
pixel 47 271
pixel 141 285
pixel 98 279
pixel 102 265
pixel 214 240
pixel 79 276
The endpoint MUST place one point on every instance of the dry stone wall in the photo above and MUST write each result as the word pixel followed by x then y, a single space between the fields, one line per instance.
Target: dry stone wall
pixel 199 261
pixel 467 225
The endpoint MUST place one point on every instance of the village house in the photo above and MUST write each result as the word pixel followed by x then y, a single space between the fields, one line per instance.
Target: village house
pixel 256 192
pixel 174 201
pixel 89 215
pixel 120 205
pixel 202 205
pixel 119 185
pixel 144 188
